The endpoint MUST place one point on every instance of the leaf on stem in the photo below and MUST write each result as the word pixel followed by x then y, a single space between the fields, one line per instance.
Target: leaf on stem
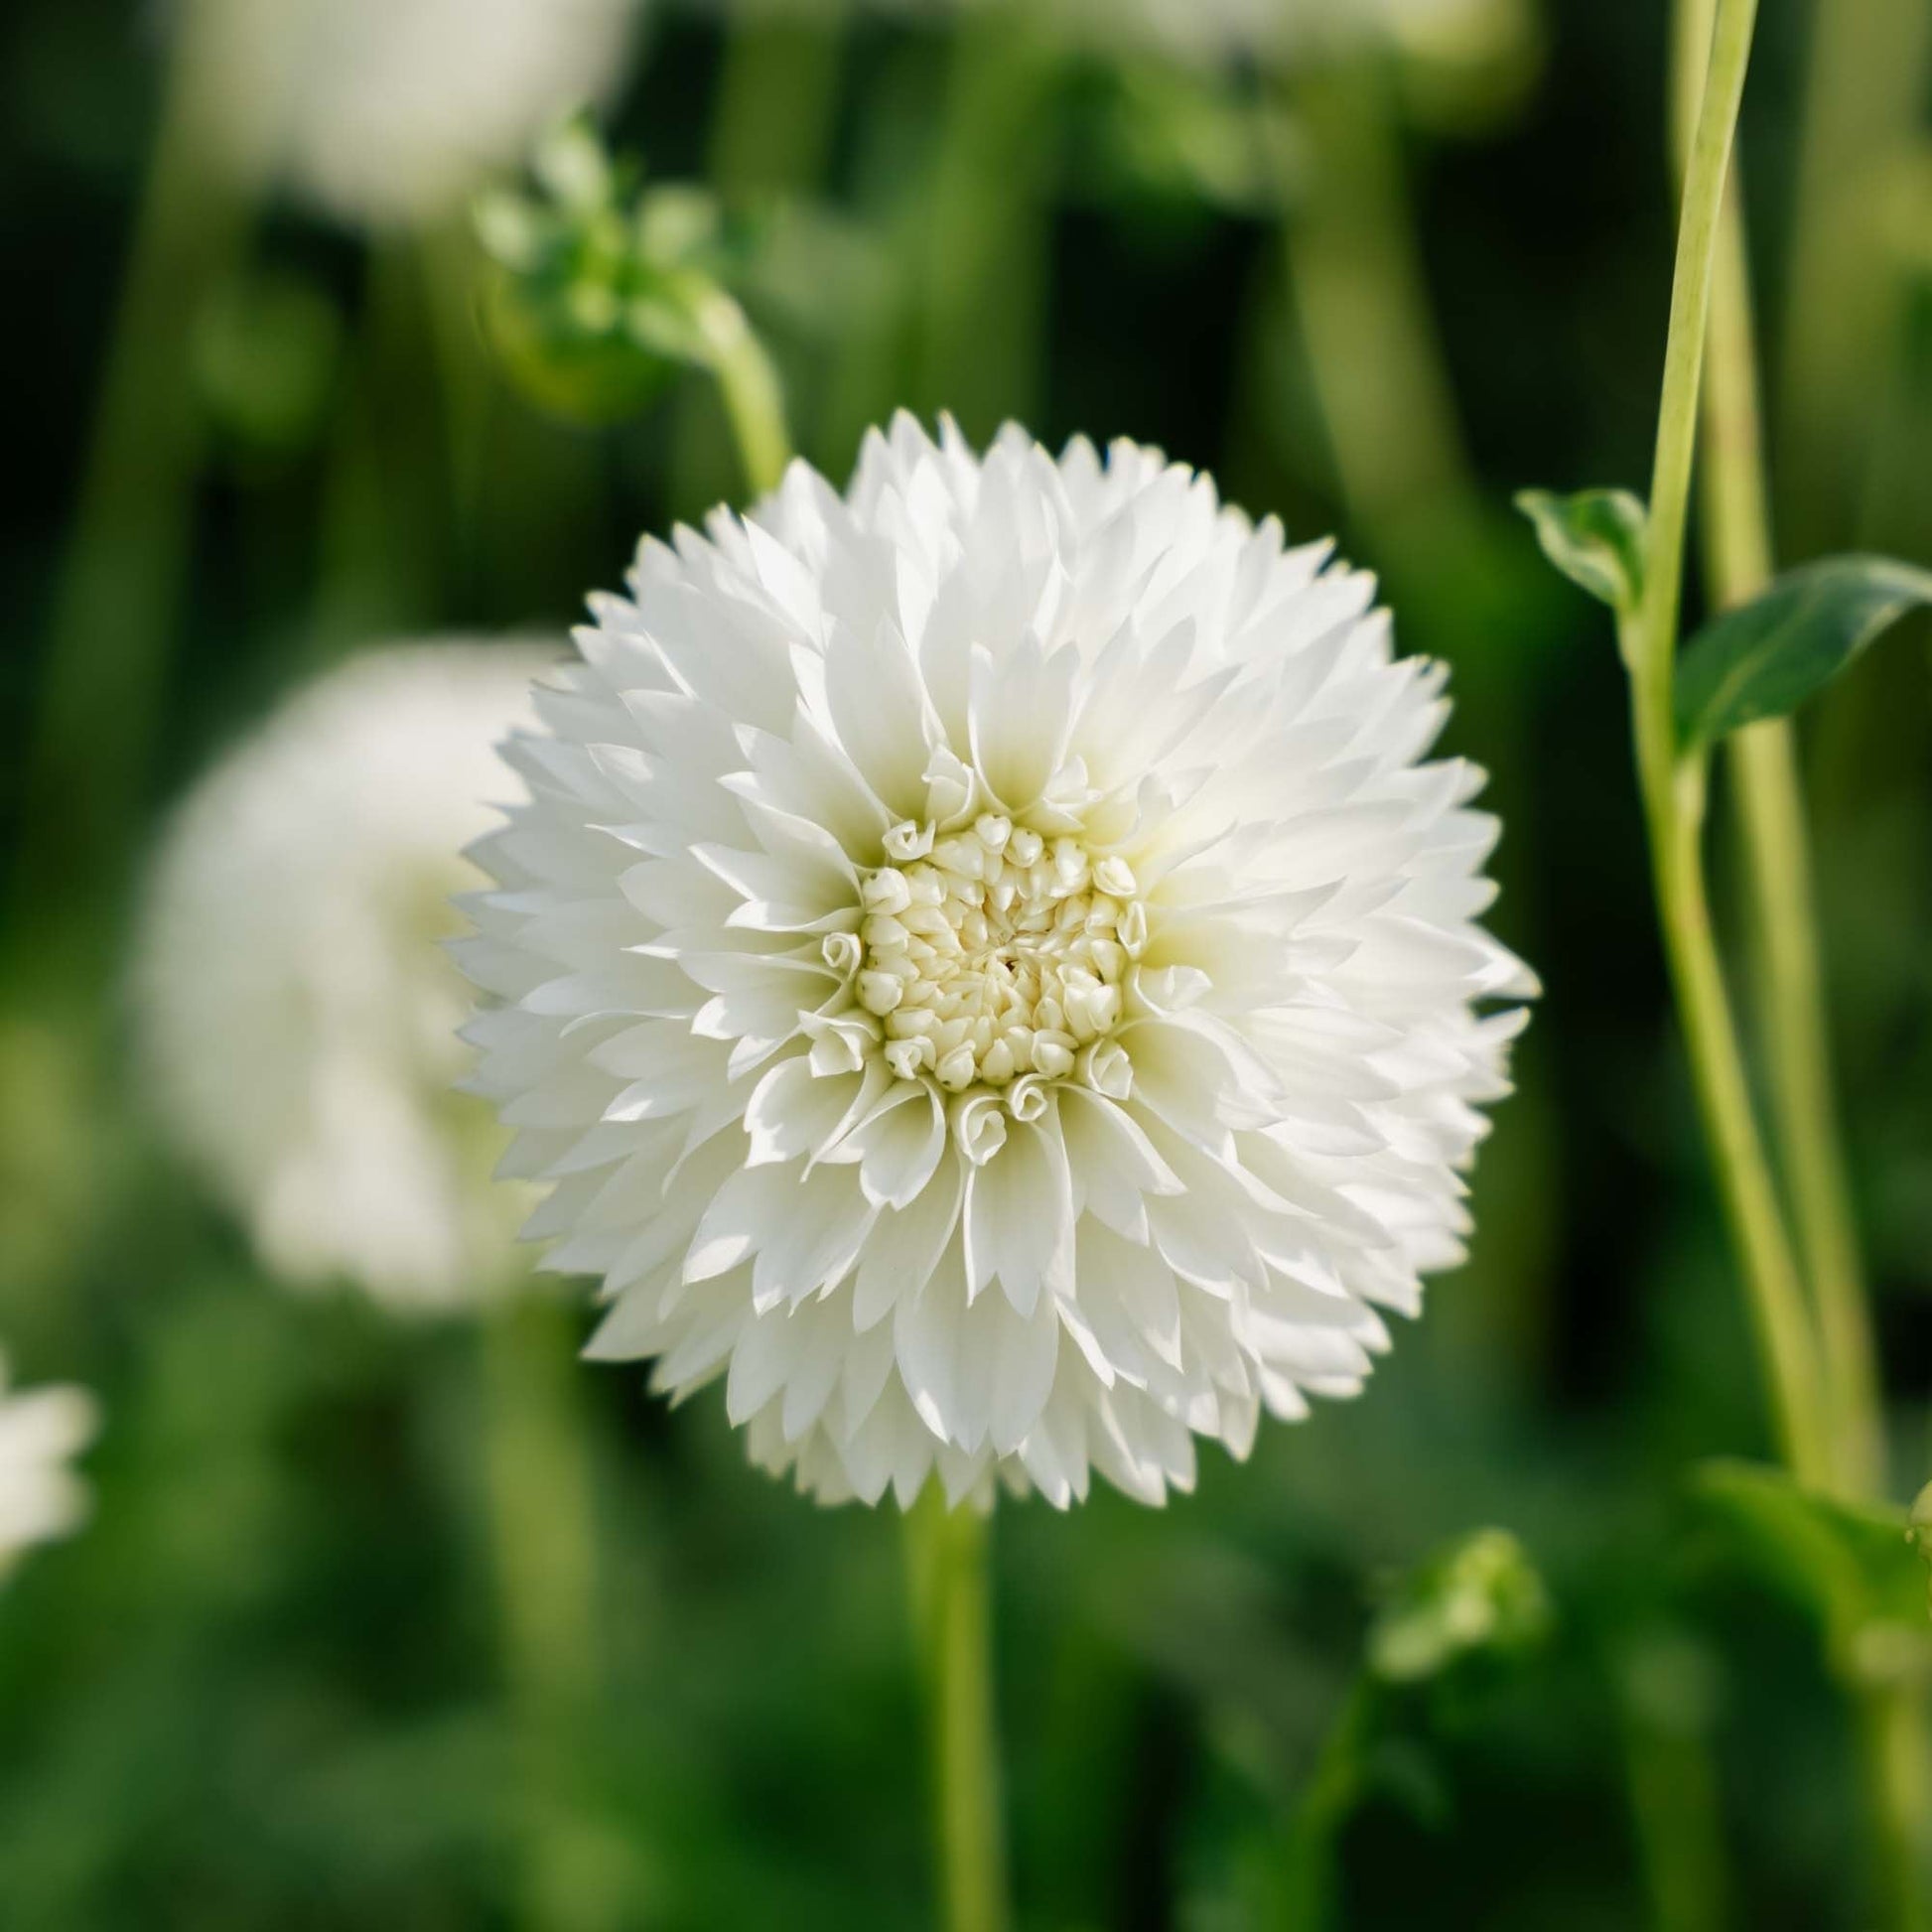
pixel 1595 537
pixel 1766 658
pixel 1919 1530
pixel 1851 1564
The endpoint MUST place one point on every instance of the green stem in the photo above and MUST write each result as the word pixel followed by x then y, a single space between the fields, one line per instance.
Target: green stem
pixel 543 1546
pixel 1309 1902
pixel 749 386
pixel 1357 279
pixel 116 596
pixel 466 393
pixel 1763 767
pixel 1678 1813
pixel 982 227
pixel 947 1571
pixel 1674 790
pixel 1804 1104
pixel 382 533
pixel 1354 276
pixel 770 135
pixel 771 129
pixel 1893 1741
pixel 1863 93
pixel 1764 771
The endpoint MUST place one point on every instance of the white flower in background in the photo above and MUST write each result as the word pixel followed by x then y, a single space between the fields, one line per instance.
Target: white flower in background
pixel 41 1432
pixel 298 1005
pixel 384 111
pixel 987 970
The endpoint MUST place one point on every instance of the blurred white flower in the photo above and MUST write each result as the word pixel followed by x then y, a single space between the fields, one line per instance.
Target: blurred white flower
pixel 41 1432
pixel 298 1010
pixel 987 970
pixel 387 111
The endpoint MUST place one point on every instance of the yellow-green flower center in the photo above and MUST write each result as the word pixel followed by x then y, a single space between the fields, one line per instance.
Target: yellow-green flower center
pixel 995 952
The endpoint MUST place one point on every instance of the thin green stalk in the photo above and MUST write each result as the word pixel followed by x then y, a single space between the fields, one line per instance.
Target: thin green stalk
pixel 1849 424
pixel 1352 267
pixel 748 385
pixel 543 1547
pixel 1863 108
pixel 1803 1098
pixel 772 130
pixel 1737 547
pixel 466 391
pixel 119 584
pixel 947 1576
pixel 1359 286
pixel 1673 791
pixel 983 230
pixel 1677 1809
pixel 381 537
pixel 1309 1900
pixel 770 134
pixel 1893 1737
pixel 1763 767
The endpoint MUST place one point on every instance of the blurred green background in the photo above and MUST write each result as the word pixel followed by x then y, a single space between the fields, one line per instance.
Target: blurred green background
pixel 1375 291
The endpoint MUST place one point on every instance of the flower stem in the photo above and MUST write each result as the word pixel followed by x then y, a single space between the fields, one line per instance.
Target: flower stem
pixel 1351 270
pixel 466 394
pixel 1778 857
pixel 1765 772
pixel 1356 275
pixel 1677 1813
pixel 748 385
pixel 1763 769
pixel 115 597
pixel 1308 1901
pixel 1893 1736
pixel 1674 790
pixel 543 1548
pixel 1865 72
pixel 982 231
pixel 771 127
pixel 777 94
pixel 947 1575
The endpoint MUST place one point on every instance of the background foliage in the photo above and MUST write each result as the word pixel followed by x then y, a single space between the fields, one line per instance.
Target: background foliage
pixel 266 1688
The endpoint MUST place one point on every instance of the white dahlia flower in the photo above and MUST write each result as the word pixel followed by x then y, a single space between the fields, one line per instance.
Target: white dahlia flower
pixel 388 111
pixel 987 970
pixel 41 1432
pixel 298 1006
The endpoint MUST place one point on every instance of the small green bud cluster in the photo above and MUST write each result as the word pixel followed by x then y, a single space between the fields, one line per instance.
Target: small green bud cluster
pixel 604 288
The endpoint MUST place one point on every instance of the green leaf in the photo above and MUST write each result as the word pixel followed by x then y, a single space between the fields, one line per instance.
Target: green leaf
pixel 1595 537
pixel 1919 1529
pixel 1854 1566
pixel 1480 1595
pixel 1765 659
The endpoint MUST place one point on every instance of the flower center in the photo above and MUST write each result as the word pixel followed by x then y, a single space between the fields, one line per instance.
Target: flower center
pixel 995 952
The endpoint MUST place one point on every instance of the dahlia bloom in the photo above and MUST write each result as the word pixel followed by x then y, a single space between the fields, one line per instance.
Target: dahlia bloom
pixel 391 112
pixel 985 969
pixel 41 1432
pixel 297 1009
